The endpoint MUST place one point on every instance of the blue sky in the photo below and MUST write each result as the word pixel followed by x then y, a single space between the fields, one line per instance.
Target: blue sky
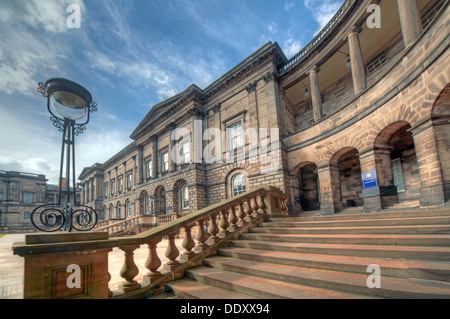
pixel 130 54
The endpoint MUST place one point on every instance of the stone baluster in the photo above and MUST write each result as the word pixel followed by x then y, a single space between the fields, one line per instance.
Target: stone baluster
pixel 255 207
pixel 262 205
pixel 241 215
pixel 129 269
pixel 248 211
pixel 110 293
pixel 188 244
pixel 153 262
pixel 202 236
pixel 224 224
pixel 213 230
pixel 232 218
pixel 172 252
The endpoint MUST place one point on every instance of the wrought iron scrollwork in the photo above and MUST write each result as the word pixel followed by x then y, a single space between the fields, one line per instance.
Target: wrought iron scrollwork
pixel 93 107
pixel 79 129
pixel 58 123
pixel 42 89
pixel 53 217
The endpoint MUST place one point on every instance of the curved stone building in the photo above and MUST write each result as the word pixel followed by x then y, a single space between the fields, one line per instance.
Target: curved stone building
pixel 358 118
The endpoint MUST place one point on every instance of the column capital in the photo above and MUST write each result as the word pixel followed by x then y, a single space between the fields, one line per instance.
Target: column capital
pixel 251 87
pixel 153 138
pixel 354 30
pixel 216 108
pixel 195 111
pixel 171 126
pixel 314 69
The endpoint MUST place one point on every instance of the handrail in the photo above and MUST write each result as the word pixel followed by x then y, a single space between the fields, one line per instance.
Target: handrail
pixel 162 230
pixel 319 38
pixel 225 221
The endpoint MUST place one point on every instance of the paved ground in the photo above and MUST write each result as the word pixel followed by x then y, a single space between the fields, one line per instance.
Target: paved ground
pixel 11 266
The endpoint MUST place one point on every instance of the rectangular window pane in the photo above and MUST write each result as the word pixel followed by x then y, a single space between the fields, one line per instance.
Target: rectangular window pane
pixel 236 136
pixel 165 160
pixel 27 197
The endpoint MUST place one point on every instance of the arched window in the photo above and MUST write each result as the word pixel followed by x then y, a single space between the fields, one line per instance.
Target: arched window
pixel 111 211
pixel 146 205
pixel 128 208
pixel 119 210
pixel 238 184
pixel 184 196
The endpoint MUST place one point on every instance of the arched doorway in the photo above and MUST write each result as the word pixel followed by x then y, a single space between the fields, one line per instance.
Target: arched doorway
pixel 160 201
pixel 396 163
pixel 308 194
pixel 144 203
pixel 346 179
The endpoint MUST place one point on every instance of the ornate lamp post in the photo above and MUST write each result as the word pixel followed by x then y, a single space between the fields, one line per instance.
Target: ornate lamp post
pixel 71 102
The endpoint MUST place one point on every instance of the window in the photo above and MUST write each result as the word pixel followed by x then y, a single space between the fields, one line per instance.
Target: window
pixel 1 197
pixel 26 215
pixel 128 209
pixel 236 138
pixel 165 162
pixel 51 199
pixel 184 197
pixel 186 153
pixel 129 179
pixel 27 197
pixel 238 184
pixel 120 184
pixel 146 205
pixel 119 211
pixel 106 190
pixel 113 187
pixel 149 169
pixel 398 175
pixel 376 63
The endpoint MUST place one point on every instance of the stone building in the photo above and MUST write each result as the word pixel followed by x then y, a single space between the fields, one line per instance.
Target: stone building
pixel 20 194
pixel 361 115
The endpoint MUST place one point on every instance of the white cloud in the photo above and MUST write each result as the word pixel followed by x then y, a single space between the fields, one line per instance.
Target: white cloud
pixel 288 5
pixel 323 10
pixel 291 47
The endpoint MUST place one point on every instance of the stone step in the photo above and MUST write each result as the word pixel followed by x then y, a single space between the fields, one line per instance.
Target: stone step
pixel 259 287
pixel 395 240
pixel 397 252
pixel 327 279
pixel 389 267
pixel 413 229
pixel 435 220
pixel 377 215
pixel 190 289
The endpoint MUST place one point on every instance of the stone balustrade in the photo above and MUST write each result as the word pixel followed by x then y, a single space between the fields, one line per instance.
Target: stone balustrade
pixel 224 221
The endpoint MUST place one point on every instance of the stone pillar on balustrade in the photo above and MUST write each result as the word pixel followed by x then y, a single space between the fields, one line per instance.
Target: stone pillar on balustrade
pixel 54 260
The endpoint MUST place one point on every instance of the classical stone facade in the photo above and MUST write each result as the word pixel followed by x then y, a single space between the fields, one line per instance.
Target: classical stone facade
pixel 20 194
pixel 362 116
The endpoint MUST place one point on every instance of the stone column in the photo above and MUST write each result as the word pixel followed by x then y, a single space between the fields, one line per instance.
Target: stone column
pixel 140 164
pixel 196 141
pixel 315 94
pixel 171 127
pixel 154 139
pixel 358 70
pixel 410 21
pixel 428 161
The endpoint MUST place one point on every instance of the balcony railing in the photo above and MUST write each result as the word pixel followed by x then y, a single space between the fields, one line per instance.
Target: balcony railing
pixel 226 221
pixel 320 37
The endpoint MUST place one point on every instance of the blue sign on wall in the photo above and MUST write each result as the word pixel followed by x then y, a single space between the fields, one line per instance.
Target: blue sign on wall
pixel 369 179
pixel 169 207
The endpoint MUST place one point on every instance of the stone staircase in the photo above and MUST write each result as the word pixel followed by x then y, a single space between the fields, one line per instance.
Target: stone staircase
pixel 328 257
